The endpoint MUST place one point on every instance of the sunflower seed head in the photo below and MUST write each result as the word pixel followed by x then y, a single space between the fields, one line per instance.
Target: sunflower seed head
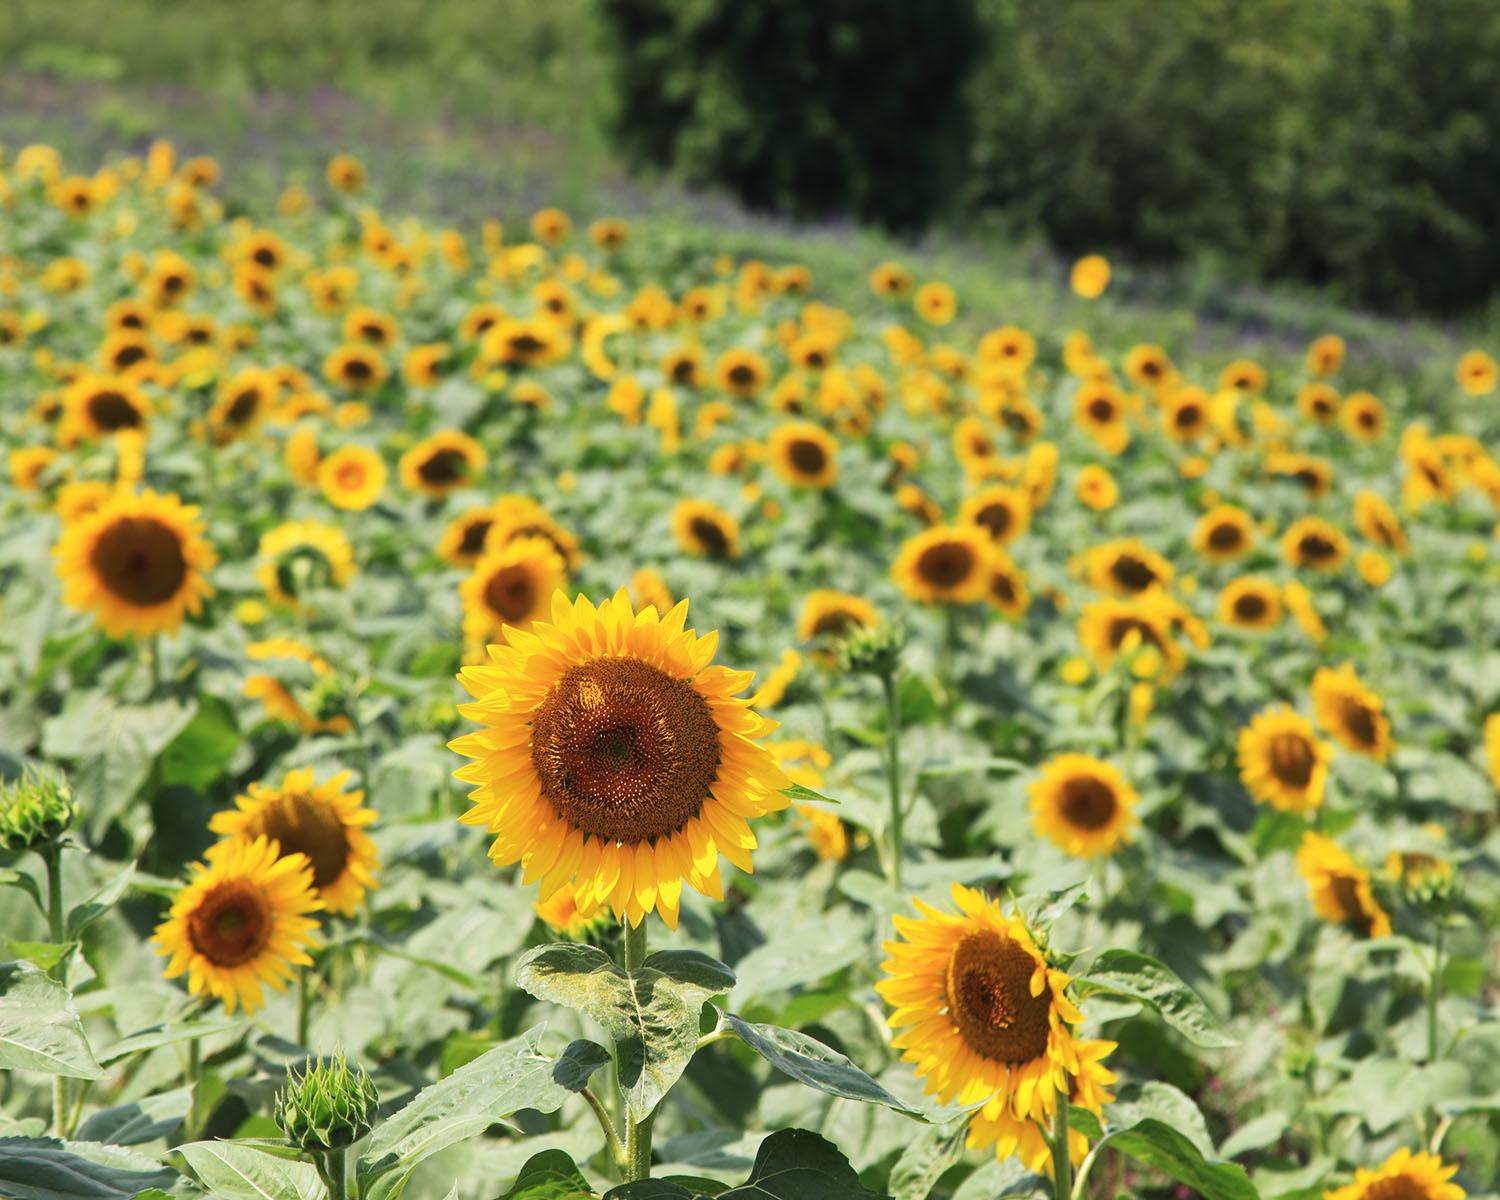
pixel 35 809
pixel 327 1106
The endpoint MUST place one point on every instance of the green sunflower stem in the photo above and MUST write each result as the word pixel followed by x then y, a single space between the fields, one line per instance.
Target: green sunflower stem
pixel 1062 1164
pixel 304 1006
pixel 1435 990
pixel 637 1164
pixel 51 855
pixel 893 772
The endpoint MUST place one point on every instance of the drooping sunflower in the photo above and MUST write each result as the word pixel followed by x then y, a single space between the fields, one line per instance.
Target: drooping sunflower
pixel 1350 712
pixel 1403 1176
pixel 947 564
pixel 1339 887
pixel 1002 512
pixel 1377 521
pixel 614 757
pixel 1224 533
pixel 463 540
pixel 985 1021
pixel 804 454
pixel 1313 542
pixel 439 464
pixel 300 556
pixel 322 822
pixel 241 921
pixel 1083 805
pixel 1282 762
pixel 1126 568
pixel 511 585
pixel 352 477
pixel 137 563
pixel 704 529
pixel 1250 603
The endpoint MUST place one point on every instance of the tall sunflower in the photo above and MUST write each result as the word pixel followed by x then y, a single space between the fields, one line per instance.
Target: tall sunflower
pixel 300 556
pixel 1403 1176
pixel 1083 805
pixel 241 921
pixel 510 585
pixel 985 1021
pixel 613 756
pixel 1351 712
pixel 137 563
pixel 322 822
pixel 947 564
pixel 1340 887
pixel 442 463
pixel 1282 762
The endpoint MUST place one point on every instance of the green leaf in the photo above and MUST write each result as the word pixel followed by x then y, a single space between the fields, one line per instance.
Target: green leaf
pixel 802 953
pixel 926 1159
pixel 198 755
pixel 46 1169
pixel 139 1121
pixel 578 1063
pixel 809 1061
pixel 167 1034
pixel 998 1180
pixel 1141 977
pixel 805 795
pixel 1255 1134
pixel 39 1026
pixel 1169 1105
pixel 237 1171
pixel 108 894
pixel 550 1175
pixel 1158 1145
pixel 651 1015
pixel 514 1075
pixel 9 877
pixel 45 955
pixel 791 1165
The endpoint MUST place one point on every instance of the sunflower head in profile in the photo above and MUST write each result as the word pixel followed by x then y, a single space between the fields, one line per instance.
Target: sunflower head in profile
pixel 614 757
pixel 1007 592
pixel 1250 603
pixel 241 921
pixel 828 616
pixel 138 563
pixel 299 557
pixel 804 454
pixel 322 822
pixel 1312 542
pixel 1282 761
pixel 1377 521
pixel 1127 568
pixel 442 463
pixel 1340 887
pixel 463 540
pixel 1004 513
pixel 1083 805
pixel 1350 712
pixel 705 530
pixel 511 585
pixel 352 477
pixel 1224 533
pixel 947 564
pixel 1403 1176
pixel 986 1021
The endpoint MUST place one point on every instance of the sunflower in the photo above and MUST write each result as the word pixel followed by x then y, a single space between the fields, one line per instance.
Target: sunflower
pixel 28 465
pixel 1492 747
pixel 511 585
pixel 241 404
pixel 947 564
pixel 1142 626
pixel 1313 542
pixel 97 405
pixel 1089 276
pixel 890 279
pixel 442 463
pixel 352 477
pixel 830 616
pixel 1099 410
pixel 1326 355
pixel 345 173
pixel 136 562
pixel 79 499
pixel 778 680
pixel 550 225
pixel 1083 805
pixel 535 342
pixel 300 556
pixel 1186 414
pixel 241 921
pixel 1477 373
pixel 987 1022
pixel 1403 1176
pixel 804 454
pixel 1224 533
pixel 936 303
pixel 463 540
pixel 518 516
pixel 1002 512
pixel 741 372
pixel 705 530
pixel 1126 568
pixel 684 367
pixel 1096 488
pixel 1148 365
pixel 324 823
pixel 1250 603
pixel 1340 887
pixel 1377 522
pixel 371 327
pixel 1350 712
pixel 1299 603
pixel 359 368
pixel 1007 589
pixel 1282 762
pixel 1318 403
pixel 1314 474
pixel 615 757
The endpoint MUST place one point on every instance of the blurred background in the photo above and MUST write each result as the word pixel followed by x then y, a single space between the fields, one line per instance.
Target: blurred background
pixel 1348 149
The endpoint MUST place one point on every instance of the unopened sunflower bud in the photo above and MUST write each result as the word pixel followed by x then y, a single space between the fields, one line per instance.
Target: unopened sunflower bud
pixel 873 651
pixel 327 1107
pixel 34 810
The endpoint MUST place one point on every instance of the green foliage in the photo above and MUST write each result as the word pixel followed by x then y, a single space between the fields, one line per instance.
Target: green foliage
pixel 847 105
pixel 39 1025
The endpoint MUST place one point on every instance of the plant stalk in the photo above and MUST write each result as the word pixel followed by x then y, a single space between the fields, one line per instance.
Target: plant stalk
pixel 1062 1164
pixel 56 928
pixel 893 773
pixel 637 1133
pixel 304 1007
pixel 1435 990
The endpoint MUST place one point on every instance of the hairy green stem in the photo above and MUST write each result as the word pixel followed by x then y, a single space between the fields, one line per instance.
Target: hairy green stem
pixel 52 857
pixel 637 1133
pixel 304 1008
pixel 1435 990
pixel 611 1135
pixel 893 773
pixel 1062 1164
pixel 336 1163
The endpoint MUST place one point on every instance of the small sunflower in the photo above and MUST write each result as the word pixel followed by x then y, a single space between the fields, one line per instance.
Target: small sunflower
pixel 1096 488
pixel 1340 887
pixel 705 530
pixel 137 563
pixel 1002 512
pixel 1319 403
pixel 1477 373
pixel 1282 762
pixel 241 921
pixel 1142 626
pixel 1377 521
pixel 1099 410
pixel 890 279
pixel 301 556
pixel 648 588
pixel 1351 713
pixel 534 342
pixel 1250 603
pixel 463 540
pixel 322 823
pixel 1186 414
pixel 1224 533
pixel 357 367
pixel 1403 1176
pixel 1326 355
pixel 1127 568
pixel 1084 806
pixel 1313 542
pixel 804 454
pixel 615 758
pixel 830 616
pixel 947 564
pixel 442 463
pixel 511 585
pixel 28 465
pixel 1148 365
pixel 98 405
pixel 1007 590
pixel 936 303
pixel 1089 276
pixel 352 477
pixel 741 372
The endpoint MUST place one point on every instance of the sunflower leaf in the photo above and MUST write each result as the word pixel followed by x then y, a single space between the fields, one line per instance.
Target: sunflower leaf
pixel 37 1168
pixel 791 1164
pixel 805 795
pixel 237 1171
pixel 1157 1144
pixel 550 1175
pixel 39 1026
pixel 1141 977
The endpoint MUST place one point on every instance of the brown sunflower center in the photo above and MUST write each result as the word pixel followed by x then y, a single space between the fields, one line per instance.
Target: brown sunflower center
pixel 1346 895
pixel 708 534
pixel 302 825
pixel 1132 573
pixel 741 375
pixel 837 623
pixel 1101 410
pixel 523 344
pixel 443 467
pixel 140 560
pixel 1358 720
pixel 110 410
pixel 989 998
pixel 1226 536
pixel 946 564
pixel 1250 606
pixel 1188 416
pixel 684 370
pixel 1087 802
pixel 1316 548
pixel 242 407
pixel 1003 588
pixel 624 751
pixel 1401 1187
pixel 1291 759
pixel 1122 627
pixel 807 457
pixel 997 517
pixel 475 532
pixel 128 356
pixel 358 370
pixel 231 924
pixel 511 592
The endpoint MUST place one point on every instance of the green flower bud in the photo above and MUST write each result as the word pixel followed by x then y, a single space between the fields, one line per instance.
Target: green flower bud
pixel 875 651
pixel 34 810
pixel 326 1107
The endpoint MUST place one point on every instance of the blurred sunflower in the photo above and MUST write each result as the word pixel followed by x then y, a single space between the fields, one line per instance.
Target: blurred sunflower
pixel 1126 567
pixel 830 616
pixel 464 537
pixel 1096 488
pixel 936 303
pixel 649 589
pixel 352 477
pixel 1007 590
pixel 1351 713
pixel 241 404
pixel 241 921
pixel 1363 417
pixel 1282 762
pixel 1313 542
pixel 704 529
pixel 1224 533
pixel 741 372
pixel 1082 805
pixel 1002 512
pixel 890 279
pixel 322 822
pixel 1318 403
pixel 614 757
pixel 1090 276
pixel 1140 625
pixel 1477 373
pixel 1099 410
pixel 511 585
pixel 442 463
pixel 1326 355
pixel 1377 521
pixel 804 454
pixel 137 563
pixel 1403 1176
pixel 1250 603
pixel 1299 603
pixel 517 516
pixel 359 368
pixel 301 556
pixel 28 465
pixel 1340 887
pixel 1186 414
pixel 1148 365
pixel 96 405
pixel 947 564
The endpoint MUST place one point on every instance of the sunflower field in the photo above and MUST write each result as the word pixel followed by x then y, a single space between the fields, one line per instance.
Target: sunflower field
pixel 546 712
